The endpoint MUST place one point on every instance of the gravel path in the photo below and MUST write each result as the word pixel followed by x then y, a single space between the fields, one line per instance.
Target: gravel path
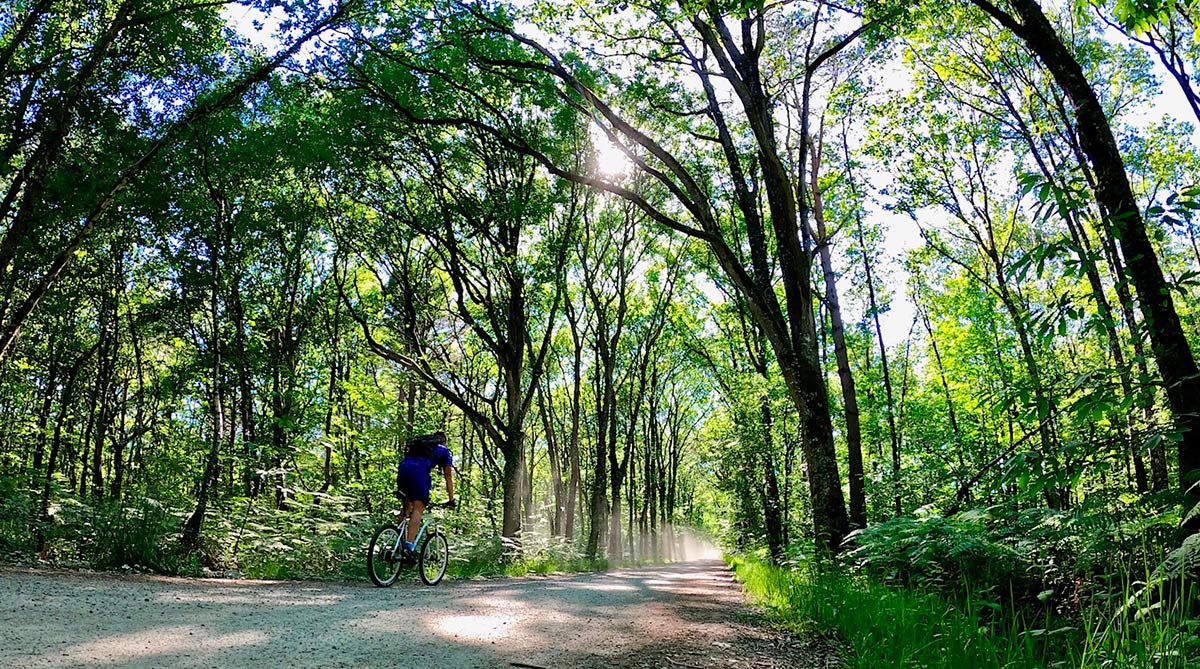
pixel 689 615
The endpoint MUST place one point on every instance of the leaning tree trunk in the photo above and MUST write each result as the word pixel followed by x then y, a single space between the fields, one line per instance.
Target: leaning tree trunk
pixel 792 332
pixel 873 305
pixel 1159 480
pixel 885 368
pixel 1124 370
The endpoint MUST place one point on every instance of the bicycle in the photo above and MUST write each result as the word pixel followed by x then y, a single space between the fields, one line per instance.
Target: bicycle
pixel 388 554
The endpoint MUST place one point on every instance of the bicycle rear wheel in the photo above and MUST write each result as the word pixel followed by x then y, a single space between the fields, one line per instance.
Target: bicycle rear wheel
pixel 383 565
pixel 435 556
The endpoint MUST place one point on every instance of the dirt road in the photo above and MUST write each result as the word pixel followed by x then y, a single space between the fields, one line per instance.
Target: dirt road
pixel 686 615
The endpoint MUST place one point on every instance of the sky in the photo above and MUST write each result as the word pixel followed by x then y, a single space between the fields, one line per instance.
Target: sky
pixel 243 19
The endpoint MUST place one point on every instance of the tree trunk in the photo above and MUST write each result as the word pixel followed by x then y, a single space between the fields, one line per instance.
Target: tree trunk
pixel 118 451
pixel 251 451
pixel 873 308
pixel 937 356
pixel 576 475
pixel 513 487
pixel 1158 481
pixel 772 510
pixel 515 483
pixel 887 374
pixel 64 407
pixel 43 418
pixel 528 500
pixel 614 481
pixel 598 518
pixel 1124 370
pixel 119 444
pixel 554 455
pixel 854 455
pixel 105 371
pixel 87 431
pixel 331 403
pixel 1043 154
pixel 792 334
pixel 191 529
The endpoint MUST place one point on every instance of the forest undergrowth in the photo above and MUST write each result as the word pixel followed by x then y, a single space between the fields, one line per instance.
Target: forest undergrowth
pixel 1099 586
pixel 317 537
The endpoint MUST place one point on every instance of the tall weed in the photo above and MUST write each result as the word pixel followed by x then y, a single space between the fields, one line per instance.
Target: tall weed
pixel 138 537
pixel 902 627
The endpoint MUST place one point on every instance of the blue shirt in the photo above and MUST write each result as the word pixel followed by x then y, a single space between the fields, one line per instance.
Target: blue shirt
pixel 440 457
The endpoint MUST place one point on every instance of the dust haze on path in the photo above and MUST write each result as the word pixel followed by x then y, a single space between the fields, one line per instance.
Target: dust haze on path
pixel 688 615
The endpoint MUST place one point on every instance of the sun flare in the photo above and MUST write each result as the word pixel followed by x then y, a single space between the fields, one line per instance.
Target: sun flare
pixel 611 160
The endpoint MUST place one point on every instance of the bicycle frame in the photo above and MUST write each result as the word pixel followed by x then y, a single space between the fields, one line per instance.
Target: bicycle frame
pixel 403 527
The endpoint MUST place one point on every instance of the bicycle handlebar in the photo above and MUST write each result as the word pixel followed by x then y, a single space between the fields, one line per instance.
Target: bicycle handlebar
pixel 436 505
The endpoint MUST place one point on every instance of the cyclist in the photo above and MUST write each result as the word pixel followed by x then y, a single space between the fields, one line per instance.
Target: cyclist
pixel 414 480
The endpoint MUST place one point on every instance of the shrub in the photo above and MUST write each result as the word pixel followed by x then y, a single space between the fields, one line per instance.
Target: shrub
pixel 1034 558
pixel 16 513
pixel 317 536
pixel 898 627
pixel 135 537
pixel 956 554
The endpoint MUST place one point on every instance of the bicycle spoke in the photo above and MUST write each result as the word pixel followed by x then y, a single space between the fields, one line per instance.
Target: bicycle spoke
pixel 383 562
pixel 435 556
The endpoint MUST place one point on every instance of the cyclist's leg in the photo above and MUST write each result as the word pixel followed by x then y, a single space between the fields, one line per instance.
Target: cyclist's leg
pixel 416 511
pixel 414 483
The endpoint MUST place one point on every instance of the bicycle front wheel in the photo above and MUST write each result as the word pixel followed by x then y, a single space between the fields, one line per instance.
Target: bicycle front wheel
pixel 435 556
pixel 383 562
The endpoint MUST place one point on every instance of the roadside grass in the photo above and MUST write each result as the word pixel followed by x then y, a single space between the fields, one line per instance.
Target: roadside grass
pixel 536 565
pixel 892 627
pixel 347 560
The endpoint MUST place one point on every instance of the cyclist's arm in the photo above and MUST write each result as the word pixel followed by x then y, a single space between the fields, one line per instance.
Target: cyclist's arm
pixel 448 472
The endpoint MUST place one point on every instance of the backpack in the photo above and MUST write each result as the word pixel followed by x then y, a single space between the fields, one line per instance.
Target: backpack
pixel 422 446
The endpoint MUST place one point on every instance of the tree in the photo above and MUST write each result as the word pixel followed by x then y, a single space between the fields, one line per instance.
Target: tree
pixel 475 212
pixel 1176 363
pixel 53 142
pixel 457 35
